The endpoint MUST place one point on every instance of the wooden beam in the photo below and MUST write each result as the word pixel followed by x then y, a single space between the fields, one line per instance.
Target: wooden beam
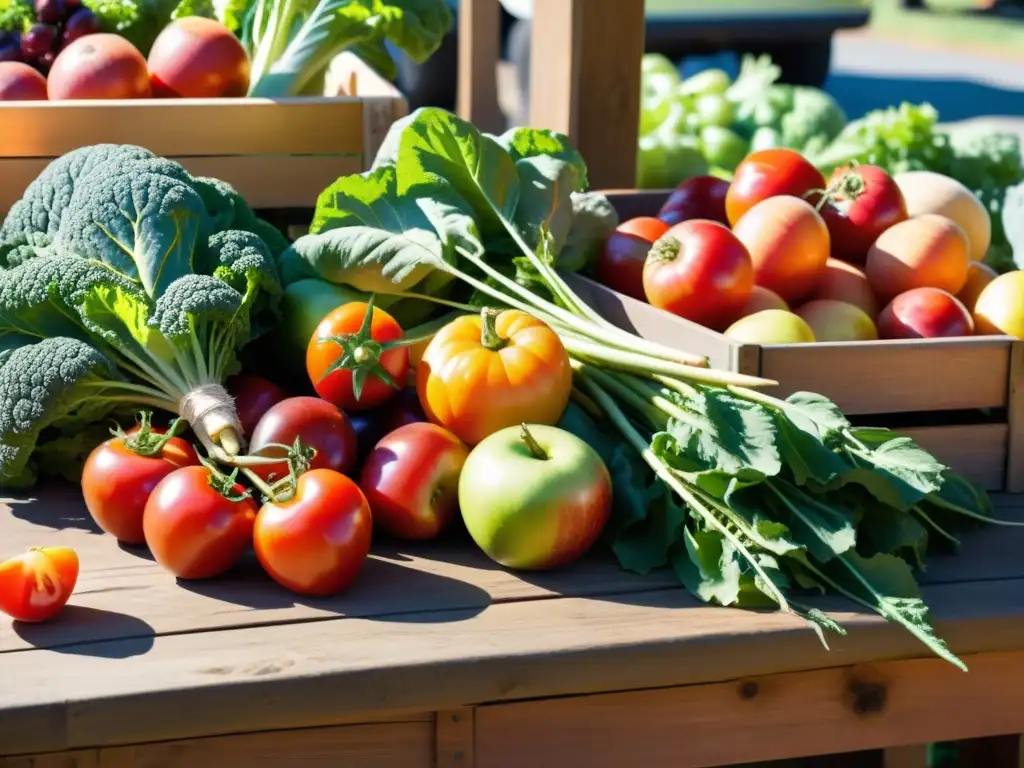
pixel 479 47
pixel 585 81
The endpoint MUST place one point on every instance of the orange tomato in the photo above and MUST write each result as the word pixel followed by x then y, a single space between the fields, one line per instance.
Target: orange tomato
pixel 482 373
pixel 789 245
pixel 36 585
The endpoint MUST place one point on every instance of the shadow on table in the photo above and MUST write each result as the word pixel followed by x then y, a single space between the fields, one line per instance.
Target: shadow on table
pixel 57 505
pixel 954 99
pixel 134 636
pixel 388 588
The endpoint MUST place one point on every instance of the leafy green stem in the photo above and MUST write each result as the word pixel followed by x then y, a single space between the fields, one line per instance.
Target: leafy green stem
pixel 662 472
pixel 916 509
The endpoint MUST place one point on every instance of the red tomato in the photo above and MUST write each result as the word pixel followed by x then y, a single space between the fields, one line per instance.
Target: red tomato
pixel 317 423
pixel 193 529
pixel 620 265
pixel 701 271
pixel 117 480
pixel 198 58
pixel 346 353
pixel 100 66
pixel 316 542
pixel 925 313
pixel 770 173
pixel 411 479
pixel 863 203
pixel 254 396
pixel 485 372
pixel 699 197
pixel 20 82
pixel 35 586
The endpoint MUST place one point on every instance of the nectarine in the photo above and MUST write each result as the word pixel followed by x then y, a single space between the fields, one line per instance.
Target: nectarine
pixel 979 275
pixel 925 313
pixel 928 251
pixel 845 282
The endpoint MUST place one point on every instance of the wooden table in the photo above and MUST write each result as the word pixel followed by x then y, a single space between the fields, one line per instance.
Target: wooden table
pixel 437 657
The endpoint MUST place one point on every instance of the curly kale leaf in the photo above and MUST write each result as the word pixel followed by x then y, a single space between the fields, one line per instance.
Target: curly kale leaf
pixel 34 219
pixel 145 222
pixel 44 383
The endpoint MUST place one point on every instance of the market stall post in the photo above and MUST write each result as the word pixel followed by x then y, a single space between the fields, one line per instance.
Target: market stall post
pixel 479 33
pixel 585 81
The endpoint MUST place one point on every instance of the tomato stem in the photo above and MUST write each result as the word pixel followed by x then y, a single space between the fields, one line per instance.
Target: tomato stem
pixel 665 248
pixel 489 336
pixel 532 444
pixel 146 442
pixel 362 355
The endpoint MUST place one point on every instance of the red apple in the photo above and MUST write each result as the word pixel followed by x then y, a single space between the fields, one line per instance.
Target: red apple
pixel 411 479
pixel 699 197
pixel 100 66
pixel 198 58
pixel 925 313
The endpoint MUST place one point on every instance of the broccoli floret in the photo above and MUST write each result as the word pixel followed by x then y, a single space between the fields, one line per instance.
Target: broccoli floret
pixel 243 261
pixel 230 211
pixel 144 221
pixel 34 219
pixel 43 383
pixel 814 116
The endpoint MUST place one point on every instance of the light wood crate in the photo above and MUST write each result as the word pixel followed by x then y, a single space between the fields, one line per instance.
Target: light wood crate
pixel 959 398
pixel 276 153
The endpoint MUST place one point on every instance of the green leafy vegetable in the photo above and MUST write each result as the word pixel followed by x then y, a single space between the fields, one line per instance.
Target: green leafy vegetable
pixel 748 498
pixel 124 282
pixel 294 41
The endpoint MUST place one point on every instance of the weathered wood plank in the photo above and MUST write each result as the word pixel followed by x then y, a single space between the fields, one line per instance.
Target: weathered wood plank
pixel 455 738
pixel 123 593
pixel 766 718
pixel 285 676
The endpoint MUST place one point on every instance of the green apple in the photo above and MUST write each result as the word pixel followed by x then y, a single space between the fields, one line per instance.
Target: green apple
pixel 534 497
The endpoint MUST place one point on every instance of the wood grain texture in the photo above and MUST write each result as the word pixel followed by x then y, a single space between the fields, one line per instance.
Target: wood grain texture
pixel 390 745
pixel 761 718
pixel 285 676
pixel 577 88
pixel 313 125
pixel 882 377
pixel 455 738
pixel 1015 417
pixel 479 48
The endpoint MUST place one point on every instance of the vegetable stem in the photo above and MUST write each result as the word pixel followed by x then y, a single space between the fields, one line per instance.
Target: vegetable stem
pixel 532 445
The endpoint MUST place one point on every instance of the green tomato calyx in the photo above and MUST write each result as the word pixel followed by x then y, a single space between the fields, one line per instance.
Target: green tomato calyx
pixel 361 353
pixel 489 336
pixel 147 442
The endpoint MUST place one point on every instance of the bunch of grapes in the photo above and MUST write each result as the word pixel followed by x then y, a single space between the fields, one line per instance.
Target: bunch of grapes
pixel 57 23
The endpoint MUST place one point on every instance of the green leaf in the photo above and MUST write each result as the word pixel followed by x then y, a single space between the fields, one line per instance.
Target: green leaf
pixel 818 409
pixel 721 433
pixel 709 567
pixel 805 453
pixel 545 201
pixel 120 317
pixel 897 472
pixel 884 531
pixel 525 143
pixel 886 583
pixel 824 529
pixel 635 490
pixel 960 496
pixel 439 148
pixel 644 545
pixel 367 235
pixel 594 218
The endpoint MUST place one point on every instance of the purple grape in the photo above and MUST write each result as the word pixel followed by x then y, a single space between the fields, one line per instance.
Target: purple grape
pixel 71 5
pixel 10 47
pixel 50 11
pixel 45 61
pixel 40 39
pixel 79 24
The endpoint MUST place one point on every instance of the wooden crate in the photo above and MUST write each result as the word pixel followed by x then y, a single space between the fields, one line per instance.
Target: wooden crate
pixel 957 397
pixel 276 153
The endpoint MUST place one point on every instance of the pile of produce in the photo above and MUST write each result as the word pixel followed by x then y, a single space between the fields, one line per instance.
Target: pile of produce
pixel 118 49
pixel 707 124
pixel 779 255
pixel 543 424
